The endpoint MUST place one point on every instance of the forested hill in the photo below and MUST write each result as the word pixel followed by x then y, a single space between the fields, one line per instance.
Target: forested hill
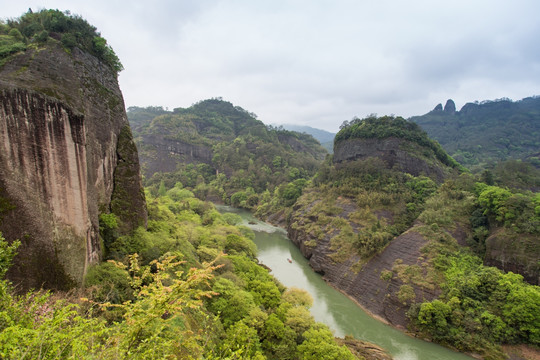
pixel 393 221
pixel 222 149
pixel 486 132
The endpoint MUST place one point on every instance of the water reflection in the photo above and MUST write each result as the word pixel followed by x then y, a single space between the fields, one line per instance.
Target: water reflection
pixel 330 306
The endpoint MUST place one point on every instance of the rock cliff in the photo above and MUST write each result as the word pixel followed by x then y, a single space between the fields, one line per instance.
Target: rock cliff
pixel 400 144
pixel 358 225
pixel 397 154
pixel 66 156
pixel 164 155
pixel 519 253
pixel 372 283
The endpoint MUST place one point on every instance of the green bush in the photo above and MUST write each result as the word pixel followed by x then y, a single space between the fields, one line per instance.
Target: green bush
pixel 74 31
pixel 110 283
pixel 480 306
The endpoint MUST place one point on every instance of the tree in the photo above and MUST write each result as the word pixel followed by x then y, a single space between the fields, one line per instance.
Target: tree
pixel 231 303
pixel 319 345
pixel 433 316
pixel 241 340
pixel 298 297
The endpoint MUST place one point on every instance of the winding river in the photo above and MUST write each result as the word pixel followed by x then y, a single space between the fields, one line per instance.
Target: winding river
pixel 330 306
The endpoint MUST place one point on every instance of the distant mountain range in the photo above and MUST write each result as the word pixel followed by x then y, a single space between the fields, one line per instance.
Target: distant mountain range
pixel 479 135
pixel 326 138
pixel 482 134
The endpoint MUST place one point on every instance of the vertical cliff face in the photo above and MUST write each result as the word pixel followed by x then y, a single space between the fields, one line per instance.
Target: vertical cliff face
pixel 398 154
pixel 66 155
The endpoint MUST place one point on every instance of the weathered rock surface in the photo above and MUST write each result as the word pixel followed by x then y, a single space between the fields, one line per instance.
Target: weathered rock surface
pixel 163 155
pixel 66 155
pixel 450 106
pixel 398 154
pixel 368 285
pixel 363 349
pixel 517 253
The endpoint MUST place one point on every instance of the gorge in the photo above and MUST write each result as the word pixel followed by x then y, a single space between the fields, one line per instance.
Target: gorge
pixel 390 219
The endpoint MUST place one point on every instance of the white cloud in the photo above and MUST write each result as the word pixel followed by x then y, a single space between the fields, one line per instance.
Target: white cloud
pixel 317 62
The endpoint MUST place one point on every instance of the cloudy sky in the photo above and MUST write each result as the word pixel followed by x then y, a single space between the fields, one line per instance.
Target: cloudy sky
pixel 316 62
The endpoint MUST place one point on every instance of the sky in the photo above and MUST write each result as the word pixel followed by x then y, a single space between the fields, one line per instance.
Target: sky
pixel 316 62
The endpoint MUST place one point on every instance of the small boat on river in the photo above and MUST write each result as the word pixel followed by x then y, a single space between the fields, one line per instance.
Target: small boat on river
pixel 289 260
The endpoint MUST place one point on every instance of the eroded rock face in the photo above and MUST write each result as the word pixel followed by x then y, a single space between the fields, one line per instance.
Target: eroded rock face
pixel 166 154
pixel 397 154
pixel 61 118
pixel 516 253
pixel 367 284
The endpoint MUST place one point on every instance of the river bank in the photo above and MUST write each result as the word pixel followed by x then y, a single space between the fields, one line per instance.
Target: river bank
pixel 330 306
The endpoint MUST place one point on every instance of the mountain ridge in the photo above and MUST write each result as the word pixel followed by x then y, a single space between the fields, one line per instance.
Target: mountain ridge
pixel 483 133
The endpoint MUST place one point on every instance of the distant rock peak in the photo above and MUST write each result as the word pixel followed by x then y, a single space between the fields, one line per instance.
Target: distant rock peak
pixel 450 106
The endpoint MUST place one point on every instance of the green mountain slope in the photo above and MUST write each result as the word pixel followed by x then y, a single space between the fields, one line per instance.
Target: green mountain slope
pixel 392 222
pixel 486 132
pixel 221 149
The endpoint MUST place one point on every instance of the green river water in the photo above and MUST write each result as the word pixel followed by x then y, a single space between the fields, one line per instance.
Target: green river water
pixel 330 306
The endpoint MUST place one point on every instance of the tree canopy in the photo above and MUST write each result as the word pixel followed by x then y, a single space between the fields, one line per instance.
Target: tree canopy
pixel 35 29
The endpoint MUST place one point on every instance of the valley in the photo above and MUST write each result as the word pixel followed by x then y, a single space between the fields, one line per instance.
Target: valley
pixel 114 242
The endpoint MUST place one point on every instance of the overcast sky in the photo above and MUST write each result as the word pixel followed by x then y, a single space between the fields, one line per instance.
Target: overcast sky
pixel 316 62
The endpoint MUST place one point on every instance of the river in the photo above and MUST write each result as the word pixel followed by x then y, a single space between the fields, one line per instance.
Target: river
pixel 330 306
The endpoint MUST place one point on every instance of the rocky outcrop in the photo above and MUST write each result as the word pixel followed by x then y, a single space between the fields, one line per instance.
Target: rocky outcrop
pixel 375 285
pixel 164 155
pixel 66 156
pixel 514 252
pixel 398 154
pixel 363 349
pixel 437 108
pixel 450 106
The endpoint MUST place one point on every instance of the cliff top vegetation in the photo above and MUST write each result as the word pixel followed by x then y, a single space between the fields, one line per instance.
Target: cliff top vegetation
pixel 373 127
pixel 222 151
pixel 36 29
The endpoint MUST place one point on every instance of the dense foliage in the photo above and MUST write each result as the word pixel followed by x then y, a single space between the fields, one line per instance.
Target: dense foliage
pixel 480 307
pixel 34 30
pixel 362 204
pixel 188 287
pixel 514 174
pixel 518 211
pixel 488 132
pixel 374 127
